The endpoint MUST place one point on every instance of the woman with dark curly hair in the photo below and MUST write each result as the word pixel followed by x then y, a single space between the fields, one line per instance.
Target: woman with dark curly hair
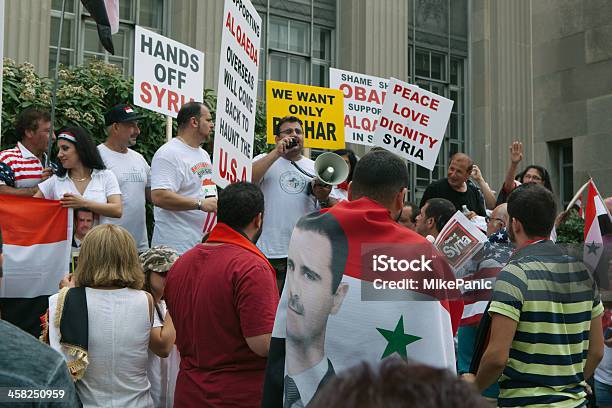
pixel 82 180
pixel 532 174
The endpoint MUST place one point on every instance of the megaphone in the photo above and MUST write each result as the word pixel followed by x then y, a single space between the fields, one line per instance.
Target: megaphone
pixel 331 169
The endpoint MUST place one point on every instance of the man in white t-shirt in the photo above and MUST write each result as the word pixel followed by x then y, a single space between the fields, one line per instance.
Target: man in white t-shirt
pixel 182 190
pixel 286 192
pixel 132 171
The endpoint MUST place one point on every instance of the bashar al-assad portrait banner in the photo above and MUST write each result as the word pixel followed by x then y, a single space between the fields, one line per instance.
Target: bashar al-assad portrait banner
pixel 331 316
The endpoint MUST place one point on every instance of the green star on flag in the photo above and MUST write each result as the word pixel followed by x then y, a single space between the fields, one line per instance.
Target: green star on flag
pixel 397 340
pixel 593 247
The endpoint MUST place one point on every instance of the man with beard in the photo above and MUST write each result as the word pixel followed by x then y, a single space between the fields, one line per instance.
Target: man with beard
pixel 222 297
pixel 281 176
pixel 546 334
pixel 182 190
pixel 315 292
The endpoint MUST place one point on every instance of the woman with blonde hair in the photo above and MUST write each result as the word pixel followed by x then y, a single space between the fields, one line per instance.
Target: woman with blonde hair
pixel 102 325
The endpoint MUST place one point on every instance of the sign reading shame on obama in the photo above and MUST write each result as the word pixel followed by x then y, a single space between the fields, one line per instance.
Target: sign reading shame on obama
pixel 237 93
pixel 412 123
pixel 167 74
pixel 321 111
pixel 363 99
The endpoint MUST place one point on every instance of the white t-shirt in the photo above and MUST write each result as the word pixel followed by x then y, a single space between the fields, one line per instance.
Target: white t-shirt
pixel 286 201
pixel 134 175
pixel 102 185
pixel 187 171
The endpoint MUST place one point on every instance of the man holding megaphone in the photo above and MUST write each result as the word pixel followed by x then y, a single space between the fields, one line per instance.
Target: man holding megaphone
pixel 291 190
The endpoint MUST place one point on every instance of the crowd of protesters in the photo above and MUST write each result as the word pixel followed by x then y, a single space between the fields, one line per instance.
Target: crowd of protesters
pixel 189 321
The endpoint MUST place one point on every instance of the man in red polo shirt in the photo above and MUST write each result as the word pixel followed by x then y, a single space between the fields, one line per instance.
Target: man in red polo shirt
pixel 222 296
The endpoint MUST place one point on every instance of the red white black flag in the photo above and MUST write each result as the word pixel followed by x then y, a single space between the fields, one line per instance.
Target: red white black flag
pixel 597 224
pixel 106 15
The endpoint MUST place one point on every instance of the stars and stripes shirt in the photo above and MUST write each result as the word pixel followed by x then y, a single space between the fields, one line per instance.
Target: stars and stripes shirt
pixel 19 168
pixel 484 268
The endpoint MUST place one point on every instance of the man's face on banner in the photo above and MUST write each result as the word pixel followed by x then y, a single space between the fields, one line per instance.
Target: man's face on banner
pixel 309 278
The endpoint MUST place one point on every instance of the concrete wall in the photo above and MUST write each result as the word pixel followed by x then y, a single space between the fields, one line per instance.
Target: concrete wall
pixel 27 26
pixel 373 39
pixel 198 24
pixel 500 85
pixel 541 73
pixel 572 68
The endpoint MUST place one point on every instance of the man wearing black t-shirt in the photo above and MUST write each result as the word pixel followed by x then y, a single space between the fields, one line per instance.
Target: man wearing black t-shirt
pixel 455 187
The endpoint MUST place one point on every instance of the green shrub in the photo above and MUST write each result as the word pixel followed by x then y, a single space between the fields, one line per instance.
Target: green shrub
pixel 84 94
pixel 571 229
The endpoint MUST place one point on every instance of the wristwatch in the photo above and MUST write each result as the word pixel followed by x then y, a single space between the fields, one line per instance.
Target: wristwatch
pixel 199 204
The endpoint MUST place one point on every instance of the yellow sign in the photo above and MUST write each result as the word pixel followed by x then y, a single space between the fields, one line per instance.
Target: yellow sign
pixel 320 109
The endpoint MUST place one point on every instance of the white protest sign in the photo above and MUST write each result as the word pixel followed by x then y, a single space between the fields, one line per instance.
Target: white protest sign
pixel 363 99
pixel 236 93
pixel 459 240
pixel 412 123
pixel 167 74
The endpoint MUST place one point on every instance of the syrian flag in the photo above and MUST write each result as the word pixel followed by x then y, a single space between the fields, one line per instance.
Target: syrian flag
pixel 106 15
pixel 597 224
pixel 333 312
pixel 37 235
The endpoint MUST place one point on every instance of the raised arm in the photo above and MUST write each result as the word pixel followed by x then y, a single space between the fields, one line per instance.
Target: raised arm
pixel 516 155
pixel 484 187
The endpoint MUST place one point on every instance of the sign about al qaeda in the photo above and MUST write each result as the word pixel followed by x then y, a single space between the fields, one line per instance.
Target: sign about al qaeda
pixel 167 74
pixel 412 123
pixel 237 93
pixel 321 111
pixel 363 99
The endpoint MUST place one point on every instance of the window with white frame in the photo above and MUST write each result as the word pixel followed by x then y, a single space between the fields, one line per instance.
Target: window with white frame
pixel 80 41
pixel 293 57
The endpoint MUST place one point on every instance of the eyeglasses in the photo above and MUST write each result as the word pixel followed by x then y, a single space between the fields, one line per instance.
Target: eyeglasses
pixel 288 132
pixel 532 177
pixel 489 219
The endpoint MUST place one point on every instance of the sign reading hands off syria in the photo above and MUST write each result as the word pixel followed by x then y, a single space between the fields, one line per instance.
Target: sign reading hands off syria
pixel 412 123
pixel 321 111
pixel 167 74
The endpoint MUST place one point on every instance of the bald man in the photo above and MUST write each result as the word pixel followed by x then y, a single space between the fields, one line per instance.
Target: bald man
pixel 498 219
pixel 455 187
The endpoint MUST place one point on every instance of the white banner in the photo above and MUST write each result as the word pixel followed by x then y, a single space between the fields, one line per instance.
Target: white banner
pixel 363 99
pixel 236 93
pixel 412 123
pixel 167 74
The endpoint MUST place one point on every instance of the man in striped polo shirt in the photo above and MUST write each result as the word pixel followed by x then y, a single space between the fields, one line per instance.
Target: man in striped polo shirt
pixel 546 333
pixel 21 168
